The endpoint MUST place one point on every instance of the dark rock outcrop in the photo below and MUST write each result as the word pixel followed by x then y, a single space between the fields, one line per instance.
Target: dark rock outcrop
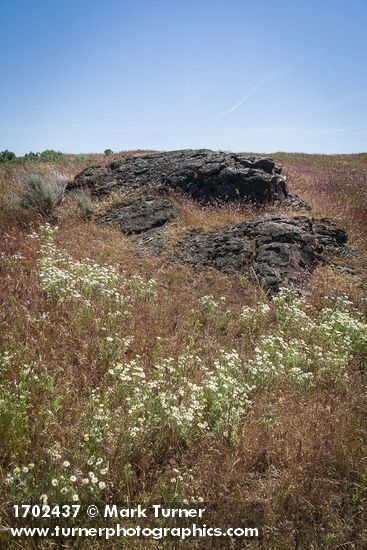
pixel 278 251
pixel 203 175
pixel 140 216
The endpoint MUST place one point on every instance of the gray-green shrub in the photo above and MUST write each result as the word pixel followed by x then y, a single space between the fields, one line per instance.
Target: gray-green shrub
pixel 42 193
pixel 84 203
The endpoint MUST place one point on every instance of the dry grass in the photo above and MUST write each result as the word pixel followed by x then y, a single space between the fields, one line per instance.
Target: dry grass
pixel 299 469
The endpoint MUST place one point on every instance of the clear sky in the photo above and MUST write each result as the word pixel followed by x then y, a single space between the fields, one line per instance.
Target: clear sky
pixel 242 75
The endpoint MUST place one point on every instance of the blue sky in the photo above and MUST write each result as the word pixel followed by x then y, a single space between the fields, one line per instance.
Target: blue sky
pixel 264 75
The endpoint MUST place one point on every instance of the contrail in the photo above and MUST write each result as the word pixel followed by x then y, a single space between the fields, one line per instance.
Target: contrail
pixel 269 78
pixel 338 102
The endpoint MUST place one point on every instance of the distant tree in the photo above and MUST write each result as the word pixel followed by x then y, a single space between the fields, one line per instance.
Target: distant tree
pixel 50 154
pixel 108 152
pixel 31 156
pixel 6 156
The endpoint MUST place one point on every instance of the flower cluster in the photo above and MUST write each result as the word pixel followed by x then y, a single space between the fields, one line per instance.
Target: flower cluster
pixel 252 317
pixel 188 397
pixel 17 381
pixel 96 424
pixel 57 480
pixel 11 257
pixel 304 348
pixel 227 393
pixel 64 278
pixel 182 484
pixel 141 287
pixel 210 305
pixel 169 397
pixel 275 357
pixel 18 474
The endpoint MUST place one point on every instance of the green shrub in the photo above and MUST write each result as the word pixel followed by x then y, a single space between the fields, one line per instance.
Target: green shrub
pixel 50 155
pixel 81 158
pixel 42 193
pixel 108 152
pixel 31 156
pixel 6 156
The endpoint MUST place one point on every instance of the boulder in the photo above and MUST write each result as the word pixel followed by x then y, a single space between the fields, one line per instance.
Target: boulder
pixel 203 175
pixel 227 249
pixel 278 250
pixel 140 216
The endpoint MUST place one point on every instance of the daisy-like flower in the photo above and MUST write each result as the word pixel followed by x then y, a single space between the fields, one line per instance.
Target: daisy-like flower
pixel 25 469
pixel 16 470
pixel 104 471
pixel 64 490
pixel 73 479
pixel 55 482
pixel 75 497
pixel 66 464
pixel 99 461
pixel 101 485
pixel 31 466
pixel 85 481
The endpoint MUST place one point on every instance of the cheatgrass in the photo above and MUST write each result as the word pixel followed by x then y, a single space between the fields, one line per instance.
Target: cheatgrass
pixel 126 379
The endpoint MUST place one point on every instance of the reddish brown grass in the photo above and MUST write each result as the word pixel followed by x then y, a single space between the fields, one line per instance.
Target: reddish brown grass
pixel 300 469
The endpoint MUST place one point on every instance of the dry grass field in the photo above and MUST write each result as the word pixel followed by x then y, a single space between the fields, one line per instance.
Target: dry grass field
pixel 130 378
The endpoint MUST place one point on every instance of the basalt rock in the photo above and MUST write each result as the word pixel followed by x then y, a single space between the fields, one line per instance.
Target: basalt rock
pixel 144 220
pixel 279 250
pixel 203 175
pixel 140 216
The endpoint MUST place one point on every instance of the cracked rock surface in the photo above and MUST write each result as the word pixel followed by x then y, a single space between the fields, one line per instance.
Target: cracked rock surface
pixel 141 215
pixel 278 250
pixel 202 174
